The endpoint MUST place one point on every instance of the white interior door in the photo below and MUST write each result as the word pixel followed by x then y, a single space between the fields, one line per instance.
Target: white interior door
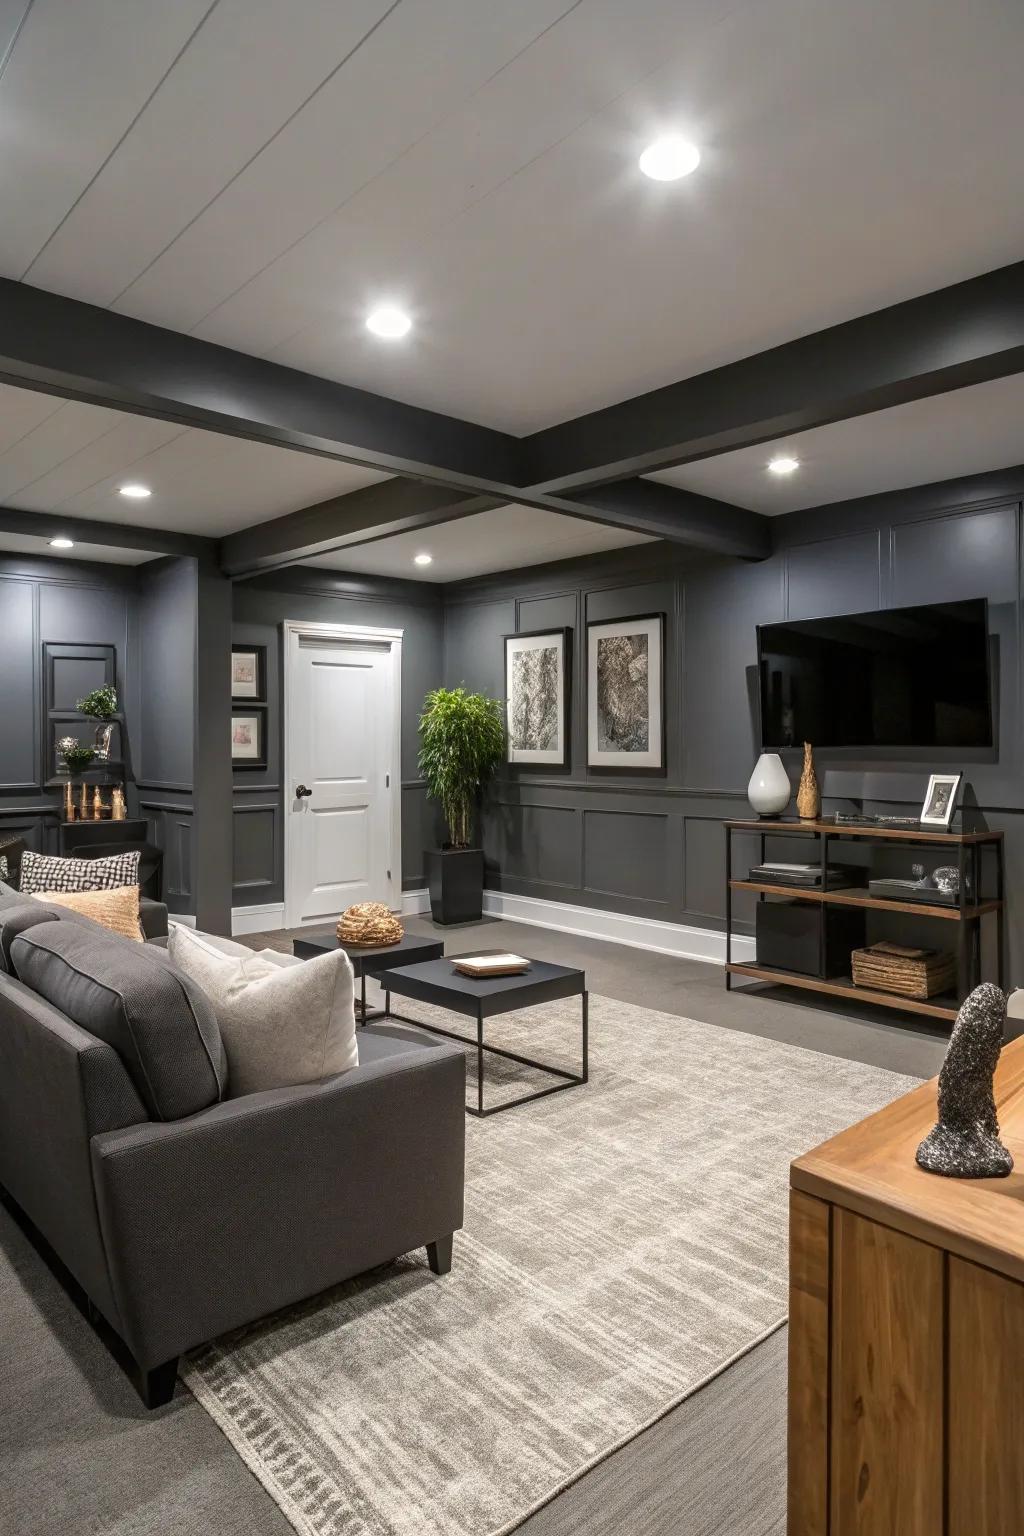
pixel 342 791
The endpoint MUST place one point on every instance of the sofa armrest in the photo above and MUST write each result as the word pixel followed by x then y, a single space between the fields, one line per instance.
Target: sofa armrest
pixel 152 918
pixel 257 1202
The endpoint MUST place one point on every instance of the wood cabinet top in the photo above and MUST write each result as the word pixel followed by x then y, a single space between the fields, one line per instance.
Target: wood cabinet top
pixel 870 1169
pixel 846 829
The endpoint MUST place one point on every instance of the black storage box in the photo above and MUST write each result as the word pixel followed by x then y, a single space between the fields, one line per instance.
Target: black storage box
pixel 788 937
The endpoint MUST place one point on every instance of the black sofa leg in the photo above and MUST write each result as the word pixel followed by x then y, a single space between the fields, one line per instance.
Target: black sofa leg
pixel 439 1254
pixel 156 1387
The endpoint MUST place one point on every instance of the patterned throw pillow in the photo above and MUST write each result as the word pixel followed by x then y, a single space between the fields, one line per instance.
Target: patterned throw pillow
pixel 48 872
pixel 4 871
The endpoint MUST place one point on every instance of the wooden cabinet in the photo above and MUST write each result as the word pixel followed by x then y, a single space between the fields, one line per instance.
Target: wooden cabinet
pixel 906 1345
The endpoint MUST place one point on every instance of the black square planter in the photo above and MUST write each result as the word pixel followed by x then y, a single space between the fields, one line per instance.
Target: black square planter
pixel 455 879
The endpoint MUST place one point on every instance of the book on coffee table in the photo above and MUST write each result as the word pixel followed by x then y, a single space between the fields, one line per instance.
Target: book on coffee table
pixel 491 965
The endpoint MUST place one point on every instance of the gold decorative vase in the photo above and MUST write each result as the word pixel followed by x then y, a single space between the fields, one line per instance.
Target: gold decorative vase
pixel 808 796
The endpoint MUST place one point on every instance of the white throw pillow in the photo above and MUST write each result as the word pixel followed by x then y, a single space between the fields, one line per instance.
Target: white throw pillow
pixel 283 1021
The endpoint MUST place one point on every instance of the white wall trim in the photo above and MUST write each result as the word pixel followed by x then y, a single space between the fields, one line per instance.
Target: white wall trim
pixel 683 941
pixel 268 918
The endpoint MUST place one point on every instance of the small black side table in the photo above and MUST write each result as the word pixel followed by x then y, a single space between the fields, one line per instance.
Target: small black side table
pixel 371 959
pixel 438 982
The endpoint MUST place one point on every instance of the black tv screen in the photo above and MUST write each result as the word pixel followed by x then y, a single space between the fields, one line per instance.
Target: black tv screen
pixel 903 677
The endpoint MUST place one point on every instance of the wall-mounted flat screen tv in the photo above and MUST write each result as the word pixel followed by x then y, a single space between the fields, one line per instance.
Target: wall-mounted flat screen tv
pixel 902 677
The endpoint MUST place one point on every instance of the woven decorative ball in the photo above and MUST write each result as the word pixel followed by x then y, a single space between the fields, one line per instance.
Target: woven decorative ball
pixel 369 923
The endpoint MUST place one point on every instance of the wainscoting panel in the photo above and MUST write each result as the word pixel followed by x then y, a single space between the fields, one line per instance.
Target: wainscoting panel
pixel 256 851
pixel 834 576
pixel 539 843
pixel 631 854
pixel 19 701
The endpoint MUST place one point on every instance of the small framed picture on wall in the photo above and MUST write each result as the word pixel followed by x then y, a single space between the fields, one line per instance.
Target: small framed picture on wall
pixel 537 697
pixel 249 672
pixel 249 738
pixel 626 695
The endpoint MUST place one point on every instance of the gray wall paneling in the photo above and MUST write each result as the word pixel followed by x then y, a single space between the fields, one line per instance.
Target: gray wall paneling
pixel 61 602
pixel 656 847
pixel 319 596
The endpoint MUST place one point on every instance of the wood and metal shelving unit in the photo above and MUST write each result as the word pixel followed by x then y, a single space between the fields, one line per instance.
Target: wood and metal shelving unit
pixel 969 850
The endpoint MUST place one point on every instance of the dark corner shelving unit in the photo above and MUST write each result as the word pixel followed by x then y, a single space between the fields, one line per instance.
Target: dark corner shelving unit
pixel 969 849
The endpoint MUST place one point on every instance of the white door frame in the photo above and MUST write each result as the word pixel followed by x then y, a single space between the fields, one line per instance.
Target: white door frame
pixel 390 640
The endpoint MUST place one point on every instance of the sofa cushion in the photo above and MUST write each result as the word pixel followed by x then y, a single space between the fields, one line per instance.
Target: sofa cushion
pixel 282 1023
pixel 50 872
pixel 131 996
pixel 117 910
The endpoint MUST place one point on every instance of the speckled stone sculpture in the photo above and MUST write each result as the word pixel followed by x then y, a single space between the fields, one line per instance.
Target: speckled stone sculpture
pixel 965 1143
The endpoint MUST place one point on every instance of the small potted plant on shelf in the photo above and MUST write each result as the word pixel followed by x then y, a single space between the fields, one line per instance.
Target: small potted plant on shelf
pixel 462 741
pixel 100 705
pixel 77 758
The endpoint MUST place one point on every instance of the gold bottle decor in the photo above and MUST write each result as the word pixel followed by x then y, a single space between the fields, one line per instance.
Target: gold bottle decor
pixel 117 809
pixel 69 802
pixel 83 804
pixel 808 796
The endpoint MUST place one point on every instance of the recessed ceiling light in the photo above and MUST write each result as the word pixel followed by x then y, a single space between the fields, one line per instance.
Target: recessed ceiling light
pixel 669 158
pixel 136 492
pixel 783 465
pixel 423 559
pixel 389 322
pixel 62 543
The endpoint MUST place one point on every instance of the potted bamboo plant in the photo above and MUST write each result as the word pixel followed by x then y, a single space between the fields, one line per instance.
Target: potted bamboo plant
pixel 462 741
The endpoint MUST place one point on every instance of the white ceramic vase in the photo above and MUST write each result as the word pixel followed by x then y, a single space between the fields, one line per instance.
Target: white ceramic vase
pixel 769 788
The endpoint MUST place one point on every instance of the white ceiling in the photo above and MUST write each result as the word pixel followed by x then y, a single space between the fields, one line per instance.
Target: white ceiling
pixel 63 456
pixel 106 554
pixel 260 171
pixel 964 432
pixel 499 540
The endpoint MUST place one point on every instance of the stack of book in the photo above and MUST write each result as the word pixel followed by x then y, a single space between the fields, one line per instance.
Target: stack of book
pixel 804 875
pixel 491 965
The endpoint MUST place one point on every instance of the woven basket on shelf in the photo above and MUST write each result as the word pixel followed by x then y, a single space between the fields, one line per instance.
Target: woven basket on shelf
pixel 919 973
pixel 369 923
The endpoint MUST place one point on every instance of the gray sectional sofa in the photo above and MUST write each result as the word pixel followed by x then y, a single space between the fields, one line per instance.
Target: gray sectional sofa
pixel 180 1211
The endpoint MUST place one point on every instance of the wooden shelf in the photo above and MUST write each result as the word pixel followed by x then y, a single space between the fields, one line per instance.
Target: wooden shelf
pixel 883 834
pixel 942 1007
pixel 853 898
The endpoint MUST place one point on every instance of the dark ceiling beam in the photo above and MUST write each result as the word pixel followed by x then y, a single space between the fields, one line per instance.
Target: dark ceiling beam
pixel 400 506
pixel 362 517
pixel 957 336
pixel 82 352
pixel 667 512
pixel 52 525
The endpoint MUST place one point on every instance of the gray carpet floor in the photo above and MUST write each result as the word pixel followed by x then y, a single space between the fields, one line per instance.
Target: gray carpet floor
pixel 79 1454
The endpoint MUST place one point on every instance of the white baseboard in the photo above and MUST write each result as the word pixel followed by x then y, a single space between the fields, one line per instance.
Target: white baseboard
pixel 267 918
pixel 679 939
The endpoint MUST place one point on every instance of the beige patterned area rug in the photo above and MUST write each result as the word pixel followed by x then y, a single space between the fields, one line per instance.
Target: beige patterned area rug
pixel 623 1243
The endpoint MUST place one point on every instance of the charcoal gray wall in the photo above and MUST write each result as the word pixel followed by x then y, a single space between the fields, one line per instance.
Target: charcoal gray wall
pixel 50 600
pixel 655 848
pixel 320 596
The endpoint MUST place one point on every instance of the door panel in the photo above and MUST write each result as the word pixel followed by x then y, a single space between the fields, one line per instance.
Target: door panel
pixel 340 725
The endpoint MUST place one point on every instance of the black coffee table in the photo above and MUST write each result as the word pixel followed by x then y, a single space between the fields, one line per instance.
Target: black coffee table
pixel 437 982
pixel 371 959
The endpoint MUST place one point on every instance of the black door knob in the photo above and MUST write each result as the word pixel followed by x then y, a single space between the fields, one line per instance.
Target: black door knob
pixel 301 792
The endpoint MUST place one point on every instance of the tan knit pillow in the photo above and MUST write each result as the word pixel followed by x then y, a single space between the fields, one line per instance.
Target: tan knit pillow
pixel 117 910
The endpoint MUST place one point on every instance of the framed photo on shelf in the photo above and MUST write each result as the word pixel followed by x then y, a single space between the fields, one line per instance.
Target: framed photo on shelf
pixel 249 672
pixel 249 738
pixel 537 666
pixel 626 694
pixel 940 801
